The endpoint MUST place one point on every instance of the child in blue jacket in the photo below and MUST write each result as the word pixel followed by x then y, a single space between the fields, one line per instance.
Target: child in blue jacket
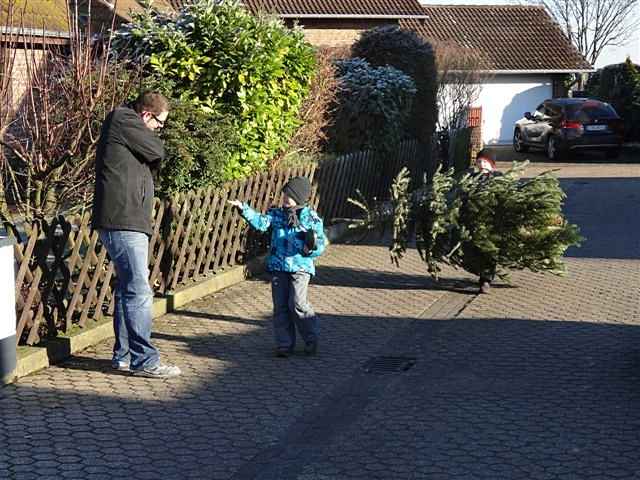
pixel 297 237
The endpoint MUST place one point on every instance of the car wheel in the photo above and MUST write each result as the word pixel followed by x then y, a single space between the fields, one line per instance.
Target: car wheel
pixel 518 144
pixel 613 153
pixel 553 149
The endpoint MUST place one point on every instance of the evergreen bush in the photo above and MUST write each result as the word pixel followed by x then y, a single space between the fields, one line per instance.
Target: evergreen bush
pixel 405 50
pixel 619 85
pixel 373 107
pixel 197 146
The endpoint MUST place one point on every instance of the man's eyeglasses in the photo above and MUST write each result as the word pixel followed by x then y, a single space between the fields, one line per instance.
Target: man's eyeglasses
pixel 160 122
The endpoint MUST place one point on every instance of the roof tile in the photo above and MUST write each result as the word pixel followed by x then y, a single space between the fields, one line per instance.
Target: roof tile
pixel 50 15
pixel 507 37
pixel 347 8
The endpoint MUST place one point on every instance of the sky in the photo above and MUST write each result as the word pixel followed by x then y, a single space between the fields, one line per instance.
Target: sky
pixel 610 55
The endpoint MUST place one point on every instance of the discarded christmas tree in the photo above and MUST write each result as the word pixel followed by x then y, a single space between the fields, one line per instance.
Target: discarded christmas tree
pixel 481 223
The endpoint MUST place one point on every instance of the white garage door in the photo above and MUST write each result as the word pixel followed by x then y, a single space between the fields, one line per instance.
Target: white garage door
pixel 505 98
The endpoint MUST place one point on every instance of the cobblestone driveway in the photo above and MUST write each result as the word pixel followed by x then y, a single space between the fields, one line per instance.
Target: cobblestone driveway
pixel 536 381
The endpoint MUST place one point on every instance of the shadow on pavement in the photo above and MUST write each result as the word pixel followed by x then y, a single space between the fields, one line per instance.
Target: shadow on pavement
pixel 522 397
pixel 506 153
pixel 606 210
pixel 386 280
pixel 217 317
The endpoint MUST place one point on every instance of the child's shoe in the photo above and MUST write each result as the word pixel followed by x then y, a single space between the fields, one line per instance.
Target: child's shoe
pixel 311 348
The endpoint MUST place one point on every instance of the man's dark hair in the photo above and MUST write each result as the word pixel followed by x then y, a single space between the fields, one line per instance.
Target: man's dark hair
pixel 152 102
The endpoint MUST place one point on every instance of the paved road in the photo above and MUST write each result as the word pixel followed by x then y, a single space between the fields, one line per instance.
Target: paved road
pixel 538 380
pixel 628 156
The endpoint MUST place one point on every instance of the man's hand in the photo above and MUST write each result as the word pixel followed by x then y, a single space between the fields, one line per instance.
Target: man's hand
pixel 235 203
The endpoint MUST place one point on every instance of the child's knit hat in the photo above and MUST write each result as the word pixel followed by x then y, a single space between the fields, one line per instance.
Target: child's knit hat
pixel 299 189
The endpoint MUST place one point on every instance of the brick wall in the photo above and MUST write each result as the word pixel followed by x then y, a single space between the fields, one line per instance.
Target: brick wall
pixel 327 37
pixel 474 120
pixel 24 60
pixel 476 141
pixel 337 32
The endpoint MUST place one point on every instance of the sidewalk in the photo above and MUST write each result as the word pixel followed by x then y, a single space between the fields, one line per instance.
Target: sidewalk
pixel 537 380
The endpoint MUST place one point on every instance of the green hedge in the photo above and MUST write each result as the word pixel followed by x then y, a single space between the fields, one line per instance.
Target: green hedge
pixel 230 63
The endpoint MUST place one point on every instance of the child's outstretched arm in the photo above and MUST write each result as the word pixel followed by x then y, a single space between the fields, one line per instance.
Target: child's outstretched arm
pixel 257 220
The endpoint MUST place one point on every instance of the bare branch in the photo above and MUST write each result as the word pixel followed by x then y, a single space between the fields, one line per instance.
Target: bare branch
pixel 52 143
pixel 459 85
pixel 593 25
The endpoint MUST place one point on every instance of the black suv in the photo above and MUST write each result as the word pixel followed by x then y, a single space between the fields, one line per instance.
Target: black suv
pixel 564 125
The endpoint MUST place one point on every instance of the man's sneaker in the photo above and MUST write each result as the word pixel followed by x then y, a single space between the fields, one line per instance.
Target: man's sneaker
pixel 311 348
pixel 485 287
pixel 283 352
pixel 120 365
pixel 158 371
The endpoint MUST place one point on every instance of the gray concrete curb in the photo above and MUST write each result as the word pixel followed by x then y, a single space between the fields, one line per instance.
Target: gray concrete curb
pixel 33 359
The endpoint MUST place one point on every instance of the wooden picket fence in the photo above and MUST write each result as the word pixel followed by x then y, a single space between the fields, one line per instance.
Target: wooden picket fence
pixel 65 278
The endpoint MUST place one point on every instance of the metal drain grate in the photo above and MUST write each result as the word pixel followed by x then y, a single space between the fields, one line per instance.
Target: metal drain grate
pixel 388 364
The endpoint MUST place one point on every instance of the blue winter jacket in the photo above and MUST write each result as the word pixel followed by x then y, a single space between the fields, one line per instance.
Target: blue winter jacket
pixel 286 254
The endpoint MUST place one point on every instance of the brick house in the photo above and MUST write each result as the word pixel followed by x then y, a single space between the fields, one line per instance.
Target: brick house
pixel 526 56
pixel 27 31
pixel 337 23
pixel 23 35
pixel 524 52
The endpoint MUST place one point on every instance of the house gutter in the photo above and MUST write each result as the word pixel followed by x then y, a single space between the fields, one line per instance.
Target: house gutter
pixel 352 16
pixel 520 72
pixel 34 32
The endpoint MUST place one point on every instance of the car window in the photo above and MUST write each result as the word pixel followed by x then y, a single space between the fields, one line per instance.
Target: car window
pixel 589 111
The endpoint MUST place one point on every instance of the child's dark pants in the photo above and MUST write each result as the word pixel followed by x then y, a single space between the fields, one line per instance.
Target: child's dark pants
pixel 291 309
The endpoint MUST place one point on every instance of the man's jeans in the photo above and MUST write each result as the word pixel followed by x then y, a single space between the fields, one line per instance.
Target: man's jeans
pixel 291 308
pixel 129 252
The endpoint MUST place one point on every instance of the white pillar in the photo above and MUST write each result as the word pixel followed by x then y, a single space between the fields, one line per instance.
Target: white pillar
pixel 7 311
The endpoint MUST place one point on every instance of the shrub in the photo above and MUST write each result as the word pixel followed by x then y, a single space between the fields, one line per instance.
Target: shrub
pixel 317 112
pixel 230 63
pixel 460 79
pixel 460 150
pixel 406 51
pixel 197 147
pixel 619 85
pixel 197 144
pixel 373 107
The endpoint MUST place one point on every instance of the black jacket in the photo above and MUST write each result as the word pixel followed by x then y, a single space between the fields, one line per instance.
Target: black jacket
pixel 126 154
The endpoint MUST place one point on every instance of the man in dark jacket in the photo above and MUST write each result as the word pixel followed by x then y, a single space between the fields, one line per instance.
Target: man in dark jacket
pixel 127 152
